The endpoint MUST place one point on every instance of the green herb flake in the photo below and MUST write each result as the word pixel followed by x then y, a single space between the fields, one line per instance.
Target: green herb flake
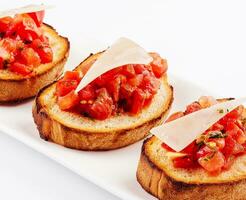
pixel 221 111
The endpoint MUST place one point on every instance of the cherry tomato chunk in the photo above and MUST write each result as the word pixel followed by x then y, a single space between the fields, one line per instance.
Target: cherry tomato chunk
pixel 37 17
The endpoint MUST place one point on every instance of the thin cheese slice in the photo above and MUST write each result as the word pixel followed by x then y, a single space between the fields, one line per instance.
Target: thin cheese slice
pixel 25 9
pixel 179 133
pixel 122 52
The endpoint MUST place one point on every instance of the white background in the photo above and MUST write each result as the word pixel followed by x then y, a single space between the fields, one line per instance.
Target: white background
pixel 204 42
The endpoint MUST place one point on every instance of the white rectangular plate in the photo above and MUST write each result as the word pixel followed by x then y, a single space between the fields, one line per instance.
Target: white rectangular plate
pixel 115 171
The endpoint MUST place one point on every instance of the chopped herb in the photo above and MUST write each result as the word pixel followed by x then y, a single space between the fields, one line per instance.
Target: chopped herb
pixel 221 111
pixel 216 134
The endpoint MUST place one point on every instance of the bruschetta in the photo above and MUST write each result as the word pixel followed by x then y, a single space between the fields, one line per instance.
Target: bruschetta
pixel 32 55
pixel 115 110
pixel 212 167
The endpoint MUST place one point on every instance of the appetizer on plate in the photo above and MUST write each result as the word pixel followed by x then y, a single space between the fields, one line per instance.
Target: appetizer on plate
pixel 116 109
pixel 32 54
pixel 211 167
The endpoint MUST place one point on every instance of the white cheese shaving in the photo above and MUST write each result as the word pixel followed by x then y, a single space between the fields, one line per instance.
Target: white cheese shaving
pixel 122 52
pixel 25 9
pixel 179 133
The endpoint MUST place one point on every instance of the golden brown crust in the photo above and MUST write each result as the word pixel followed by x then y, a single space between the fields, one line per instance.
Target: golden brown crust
pixel 155 180
pixel 85 139
pixel 15 88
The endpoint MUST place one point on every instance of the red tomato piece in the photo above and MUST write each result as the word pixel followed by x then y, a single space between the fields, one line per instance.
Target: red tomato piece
pixel 138 101
pixel 238 149
pixel 4 25
pixel 150 84
pixel 229 146
pixel 240 137
pixel 102 106
pixel 217 127
pixel 235 114
pixel 72 75
pixel 193 108
pixel 165 146
pixel 88 93
pixel 159 65
pixel 28 30
pixel 229 162
pixel 20 69
pixel 184 162
pixel 136 81
pixel 175 116
pixel 113 87
pixel 68 101
pixel 43 49
pixel 190 149
pixel 203 151
pixel 1 63
pixel 128 71
pixel 38 17
pixel 213 164
pixel 126 91
pixel 64 87
pixel 139 69
pixel 30 57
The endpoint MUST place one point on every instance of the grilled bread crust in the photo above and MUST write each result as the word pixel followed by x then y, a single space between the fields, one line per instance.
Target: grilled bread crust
pixel 79 132
pixel 15 87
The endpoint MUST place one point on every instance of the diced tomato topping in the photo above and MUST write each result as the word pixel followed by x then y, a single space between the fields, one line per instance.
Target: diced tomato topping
pixel 139 69
pixel 165 146
pixel 175 116
pixel 88 93
pixel 184 162
pixel 138 101
pixel 203 151
pixel 4 25
pixel 20 69
pixel 72 75
pixel 193 108
pixel 65 87
pixel 28 30
pixel 23 45
pixel 30 57
pixel 128 71
pixel 102 107
pixel 43 49
pixel 212 162
pixel 159 65
pixel 128 88
pixel 217 148
pixel 229 162
pixel 37 17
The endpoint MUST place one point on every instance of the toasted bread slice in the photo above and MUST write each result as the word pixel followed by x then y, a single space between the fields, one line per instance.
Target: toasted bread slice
pixel 79 132
pixel 14 87
pixel 157 176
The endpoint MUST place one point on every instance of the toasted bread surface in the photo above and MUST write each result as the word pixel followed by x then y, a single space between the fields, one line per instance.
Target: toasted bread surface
pixel 15 87
pixel 157 176
pixel 79 132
